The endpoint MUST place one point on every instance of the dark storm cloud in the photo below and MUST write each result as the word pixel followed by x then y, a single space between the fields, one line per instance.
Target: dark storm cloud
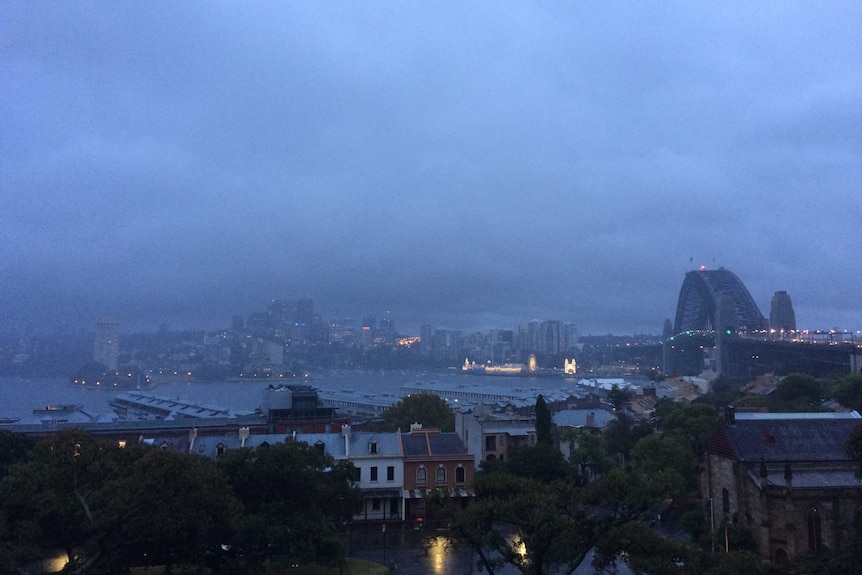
pixel 469 166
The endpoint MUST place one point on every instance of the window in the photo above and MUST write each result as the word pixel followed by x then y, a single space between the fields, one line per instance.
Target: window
pixel 372 447
pixel 460 474
pixel 390 473
pixel 375 504
pixel 219 449
pixel 374 473
pixel 421 476
pixel 441 475
pixel 357 474
pixel 490 443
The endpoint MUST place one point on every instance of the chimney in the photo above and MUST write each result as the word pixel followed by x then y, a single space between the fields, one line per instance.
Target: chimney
pixel 345 433
pixel 193 434
pixel 243 435
pixel 591 420
pixel 730 415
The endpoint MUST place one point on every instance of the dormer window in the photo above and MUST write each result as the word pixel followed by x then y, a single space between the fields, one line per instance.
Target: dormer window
pixel 320 445
pixel 372 446
pixel 219 449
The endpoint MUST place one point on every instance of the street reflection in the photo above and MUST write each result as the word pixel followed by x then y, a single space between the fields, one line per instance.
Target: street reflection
pixel 55 563
pixel 440 558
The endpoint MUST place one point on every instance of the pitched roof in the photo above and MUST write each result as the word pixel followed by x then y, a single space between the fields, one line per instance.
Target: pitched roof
pixel 792 438
pixel 418 444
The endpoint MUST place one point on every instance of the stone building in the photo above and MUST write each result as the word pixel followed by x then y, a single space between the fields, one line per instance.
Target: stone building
pixel 786 478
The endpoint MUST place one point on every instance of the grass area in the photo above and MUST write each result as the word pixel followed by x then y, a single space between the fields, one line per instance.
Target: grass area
pixel 353 567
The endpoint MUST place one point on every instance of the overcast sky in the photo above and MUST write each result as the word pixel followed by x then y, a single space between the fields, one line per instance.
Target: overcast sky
pixel 467 165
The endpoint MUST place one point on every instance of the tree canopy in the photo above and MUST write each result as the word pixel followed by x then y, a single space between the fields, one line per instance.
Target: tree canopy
pixel 428 409
pixel 544 423
pixel 293 495
pixel 111 508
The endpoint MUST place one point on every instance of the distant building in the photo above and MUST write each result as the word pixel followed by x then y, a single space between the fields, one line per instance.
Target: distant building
pixel 494 435
pixel 298 408
pixel 782 318
pixel 106 344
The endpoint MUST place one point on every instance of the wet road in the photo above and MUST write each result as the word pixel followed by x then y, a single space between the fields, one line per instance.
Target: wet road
pixel 415 553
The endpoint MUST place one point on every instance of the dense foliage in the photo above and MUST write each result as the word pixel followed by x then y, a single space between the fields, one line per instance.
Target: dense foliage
pixel 111 508
pixel 614 495
pixel 425 408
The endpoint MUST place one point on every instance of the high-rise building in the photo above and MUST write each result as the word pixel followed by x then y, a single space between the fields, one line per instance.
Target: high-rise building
pixel 106 344
pixel 782 318
pixel 426 338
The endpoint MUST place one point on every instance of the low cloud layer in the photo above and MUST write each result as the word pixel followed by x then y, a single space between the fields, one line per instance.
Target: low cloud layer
pixel 467 166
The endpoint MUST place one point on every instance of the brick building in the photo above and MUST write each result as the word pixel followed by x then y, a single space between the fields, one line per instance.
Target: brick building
pixel 434 461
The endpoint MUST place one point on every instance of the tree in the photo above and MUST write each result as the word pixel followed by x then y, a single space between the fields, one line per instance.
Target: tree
pixel 644 551
pixel 662 467
pixel 618 398
pixel 621 435
pixel 167 508
pixel 589 458
pixel 294 495
pixel 541 462
pixel 800 389
pixel 426 408
pixel 14 448
pixel 530 514
pixel 544 424
pixel 111 508
pixel 690 423
pixel 848 391
pixel 523 522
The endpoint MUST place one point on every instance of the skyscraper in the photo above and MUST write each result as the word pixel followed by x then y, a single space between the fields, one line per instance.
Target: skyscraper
pixel 106 344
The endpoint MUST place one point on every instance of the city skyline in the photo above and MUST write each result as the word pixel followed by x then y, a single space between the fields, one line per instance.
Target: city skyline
pixel 472 167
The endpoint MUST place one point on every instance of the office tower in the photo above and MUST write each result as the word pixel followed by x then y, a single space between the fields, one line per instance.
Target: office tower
pixel 106 344
pixel 782 318
pixel 426 338
pixel 551 338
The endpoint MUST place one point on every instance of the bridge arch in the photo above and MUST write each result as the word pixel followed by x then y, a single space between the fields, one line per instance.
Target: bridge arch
pixel 699 298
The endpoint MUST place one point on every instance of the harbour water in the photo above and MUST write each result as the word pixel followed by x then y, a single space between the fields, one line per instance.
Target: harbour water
pixel 19 397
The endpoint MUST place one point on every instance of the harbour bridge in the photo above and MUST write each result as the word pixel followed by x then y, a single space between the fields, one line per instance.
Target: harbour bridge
pixel 719 327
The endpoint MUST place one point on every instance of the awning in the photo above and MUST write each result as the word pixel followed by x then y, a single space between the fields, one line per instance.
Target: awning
pixel 425 493
pixel 381 492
